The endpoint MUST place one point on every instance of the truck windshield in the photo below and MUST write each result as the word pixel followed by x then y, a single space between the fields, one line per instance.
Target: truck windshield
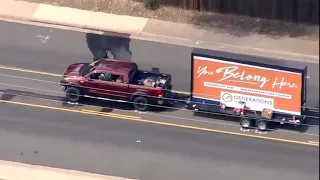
pixel 89 68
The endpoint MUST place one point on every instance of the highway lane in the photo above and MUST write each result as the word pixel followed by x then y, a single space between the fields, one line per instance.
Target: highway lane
pixel 51 50
pixel 146 151
pixel 44 89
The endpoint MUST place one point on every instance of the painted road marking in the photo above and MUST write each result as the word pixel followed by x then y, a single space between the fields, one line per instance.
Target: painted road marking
pixel 108 114
pixel 29 71
pixel 120 116
pixel 313 142
pixel 138 119
pixel 57 75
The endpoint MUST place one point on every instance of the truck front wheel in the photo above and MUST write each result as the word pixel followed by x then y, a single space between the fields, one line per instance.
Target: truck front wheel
pixel 73 94
pixel 140 103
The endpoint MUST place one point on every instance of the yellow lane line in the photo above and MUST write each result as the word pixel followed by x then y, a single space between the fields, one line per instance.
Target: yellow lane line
pixel 120 116
pixel 108 114
pixel 56 75
pixel 134 118
pixel 29 71
pixel 313 142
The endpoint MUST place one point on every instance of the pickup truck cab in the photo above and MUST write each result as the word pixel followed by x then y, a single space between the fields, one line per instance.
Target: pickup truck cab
pixel 116 80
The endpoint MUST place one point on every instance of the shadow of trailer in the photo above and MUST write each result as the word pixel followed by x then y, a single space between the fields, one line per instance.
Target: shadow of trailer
pixel 220 80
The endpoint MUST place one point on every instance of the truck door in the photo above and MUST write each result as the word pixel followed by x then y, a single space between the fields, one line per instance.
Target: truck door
pixel 111 86
pixel 92 83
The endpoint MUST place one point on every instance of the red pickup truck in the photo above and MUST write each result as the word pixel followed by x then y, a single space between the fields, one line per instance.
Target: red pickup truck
pixel 116 80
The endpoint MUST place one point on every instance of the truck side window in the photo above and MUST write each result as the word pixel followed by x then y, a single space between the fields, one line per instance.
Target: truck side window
pixel 98 76
pixel 114 78
pixel 95 76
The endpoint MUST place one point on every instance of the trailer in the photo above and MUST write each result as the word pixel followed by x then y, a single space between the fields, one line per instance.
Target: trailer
pixel 257 90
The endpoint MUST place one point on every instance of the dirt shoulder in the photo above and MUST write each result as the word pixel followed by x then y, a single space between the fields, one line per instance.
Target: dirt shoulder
pixel 212 20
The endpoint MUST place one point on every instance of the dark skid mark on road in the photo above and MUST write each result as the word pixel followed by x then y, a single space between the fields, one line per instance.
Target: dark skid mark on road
pixel 119 47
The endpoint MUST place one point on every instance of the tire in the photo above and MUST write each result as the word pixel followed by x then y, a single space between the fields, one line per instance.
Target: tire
pixel 262 125
pixel 140 103
pixel 73 94
pixel 245 123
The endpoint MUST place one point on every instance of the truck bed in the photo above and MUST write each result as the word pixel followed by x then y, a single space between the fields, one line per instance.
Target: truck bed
pixel 142 75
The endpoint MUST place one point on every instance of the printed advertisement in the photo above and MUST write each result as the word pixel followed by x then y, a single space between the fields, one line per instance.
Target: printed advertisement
pixel 253 102
pixel 211 76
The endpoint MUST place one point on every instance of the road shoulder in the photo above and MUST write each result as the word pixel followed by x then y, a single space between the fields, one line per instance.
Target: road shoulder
pixel 19 171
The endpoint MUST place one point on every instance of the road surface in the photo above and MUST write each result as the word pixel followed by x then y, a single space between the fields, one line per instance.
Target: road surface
pixel 139 148
pixel 118 147
pixel 51 50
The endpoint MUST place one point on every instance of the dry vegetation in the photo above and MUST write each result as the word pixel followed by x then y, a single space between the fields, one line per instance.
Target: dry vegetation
pixel 213 20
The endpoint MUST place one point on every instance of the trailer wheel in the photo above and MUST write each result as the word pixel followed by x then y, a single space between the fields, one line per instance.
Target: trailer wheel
pixel 245 122
pixel 262 125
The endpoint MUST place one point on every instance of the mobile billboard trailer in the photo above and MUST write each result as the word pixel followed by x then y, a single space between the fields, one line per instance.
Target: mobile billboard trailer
pixel 257 90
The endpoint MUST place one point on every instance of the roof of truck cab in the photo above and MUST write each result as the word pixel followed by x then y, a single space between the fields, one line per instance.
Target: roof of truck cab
pixel 115 65
pixel 281 64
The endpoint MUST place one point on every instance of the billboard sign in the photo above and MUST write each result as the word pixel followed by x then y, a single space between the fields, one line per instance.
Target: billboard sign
pixel 262 87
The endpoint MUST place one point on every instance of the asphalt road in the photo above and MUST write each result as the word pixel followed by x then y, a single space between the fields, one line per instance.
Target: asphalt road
pixel 33 88
pixel 51 50
pixel 145 151
pixel 108 146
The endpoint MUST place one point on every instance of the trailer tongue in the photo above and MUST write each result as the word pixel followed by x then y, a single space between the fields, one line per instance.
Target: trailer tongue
pixel 257 90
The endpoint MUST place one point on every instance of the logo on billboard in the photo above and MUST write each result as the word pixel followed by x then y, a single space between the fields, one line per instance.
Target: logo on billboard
pixel 227 97
pixel 253 102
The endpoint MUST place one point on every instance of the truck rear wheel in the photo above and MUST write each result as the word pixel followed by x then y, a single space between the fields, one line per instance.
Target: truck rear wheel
pixel 262 125
pixel 73 94
pixel 245 122
pixel 140 104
